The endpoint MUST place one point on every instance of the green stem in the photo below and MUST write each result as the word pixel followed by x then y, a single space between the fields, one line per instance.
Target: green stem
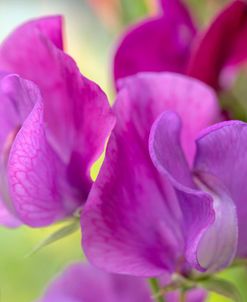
pixel 156 290
pixel 182 296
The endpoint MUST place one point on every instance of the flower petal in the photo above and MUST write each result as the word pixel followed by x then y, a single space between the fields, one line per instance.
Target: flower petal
pixel 221 165
pixel 7 219
pixel 35 176
pixel 156 44
pixel 222 49
pixel 17 100
pixel 132 222
pixel 72 103
pixel 110 288
pixel 168 91
pixel 168 157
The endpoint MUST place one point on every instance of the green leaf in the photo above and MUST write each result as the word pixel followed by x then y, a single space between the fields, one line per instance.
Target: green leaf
pixel 222 287
pixel 62 232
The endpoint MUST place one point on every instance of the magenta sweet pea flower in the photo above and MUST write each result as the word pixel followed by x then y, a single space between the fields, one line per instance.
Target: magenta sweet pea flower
pixel 169 42
pixel 82 282
pixel 50 138
pixel 141 221
pixel 161 43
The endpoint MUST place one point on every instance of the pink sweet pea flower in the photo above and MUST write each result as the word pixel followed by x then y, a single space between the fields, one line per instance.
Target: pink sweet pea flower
pixel 141 222
pixel 82 282
pixel 169 42
pixel 51 134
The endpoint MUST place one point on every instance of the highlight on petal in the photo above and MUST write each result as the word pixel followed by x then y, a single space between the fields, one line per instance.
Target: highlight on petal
pixel 82 282
pixel 132 221
pixel 167 155
pixel 222 48
pixel 72 103
pixel 156 44
pixel 222 156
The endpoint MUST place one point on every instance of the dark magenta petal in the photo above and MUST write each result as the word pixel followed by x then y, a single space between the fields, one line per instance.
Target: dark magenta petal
pixel 132 221
pixel 221 164
pixel 168 157
pixel 156 44
pixel 76 110
pixel 222 48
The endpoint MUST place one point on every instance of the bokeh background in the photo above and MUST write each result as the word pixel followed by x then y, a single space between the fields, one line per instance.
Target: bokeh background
pixel 91 32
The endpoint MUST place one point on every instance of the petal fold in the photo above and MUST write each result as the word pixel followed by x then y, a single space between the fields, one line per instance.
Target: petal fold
pixel 221 164
pixel 33 170
pixel 167 155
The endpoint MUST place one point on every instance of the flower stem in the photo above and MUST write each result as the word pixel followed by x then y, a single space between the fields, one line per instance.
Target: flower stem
pixel 155 287
pixel 182 296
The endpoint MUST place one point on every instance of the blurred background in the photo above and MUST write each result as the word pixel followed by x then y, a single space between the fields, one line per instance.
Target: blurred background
pixel 91 32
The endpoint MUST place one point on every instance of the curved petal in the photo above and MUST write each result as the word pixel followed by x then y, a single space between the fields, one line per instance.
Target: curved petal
pixel 222 47
pixel 132 222
pixel 167 155
pixel 221 165
pixel 110 288
pixel 156 44
pixel 195 103
pixel 33 176
pixel 50 27
pixel 17 101
pixel 72 103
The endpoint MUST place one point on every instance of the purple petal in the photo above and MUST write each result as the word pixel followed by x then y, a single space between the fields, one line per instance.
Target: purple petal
pixel 7 219
pixel 168 157
pixel 221 164
pixel 72 103
pixel 17 100
pixel 156 44
pixel 132 222
pixel 81 282
pixel 222 48
pixel 35 175
pixel 157 93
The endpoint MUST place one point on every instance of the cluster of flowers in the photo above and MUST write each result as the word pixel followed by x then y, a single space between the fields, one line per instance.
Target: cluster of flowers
pixel 170 195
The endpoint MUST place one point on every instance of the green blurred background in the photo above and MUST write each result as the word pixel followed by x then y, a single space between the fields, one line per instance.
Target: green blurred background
pixel 91 31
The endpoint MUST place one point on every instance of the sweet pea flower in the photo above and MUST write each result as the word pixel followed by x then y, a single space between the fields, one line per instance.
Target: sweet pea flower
pixel 144 221
pixel 171 42
pixel 82 282
pixel 161 43
pixel 50 133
